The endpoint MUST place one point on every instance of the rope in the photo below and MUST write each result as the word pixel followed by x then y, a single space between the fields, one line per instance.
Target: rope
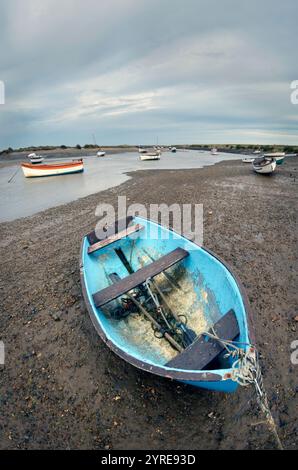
pixel 246 371
pixel 157 304
pixel 12 177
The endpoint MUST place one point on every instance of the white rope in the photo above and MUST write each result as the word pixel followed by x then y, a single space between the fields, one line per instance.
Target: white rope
pixel 246 371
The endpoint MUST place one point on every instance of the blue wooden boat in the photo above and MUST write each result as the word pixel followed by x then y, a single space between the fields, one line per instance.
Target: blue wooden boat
pixel 164 304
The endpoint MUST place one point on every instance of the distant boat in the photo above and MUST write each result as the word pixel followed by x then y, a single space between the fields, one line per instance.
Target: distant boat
pixel 214 151
pixel 173 149
pixel 150 156
pixel 31 170
pixel 100 153
pixel 278 156
pixel 141 150
pixel 35 158
pixel 264 165
pixel 256 152
pixel 248 159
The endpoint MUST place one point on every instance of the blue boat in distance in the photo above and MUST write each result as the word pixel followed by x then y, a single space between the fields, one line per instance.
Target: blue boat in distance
pixel 164 304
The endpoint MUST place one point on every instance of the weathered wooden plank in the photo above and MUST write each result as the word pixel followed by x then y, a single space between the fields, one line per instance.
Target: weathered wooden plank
pixel 139 277
pixel 203 350
pixel 111 230
pixel 115 237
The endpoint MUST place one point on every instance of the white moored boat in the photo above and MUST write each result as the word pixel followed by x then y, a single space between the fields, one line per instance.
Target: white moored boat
pixel 264 165
pixel 35 158
pixel 142 150
pixel 100 153
pixel 150 156
pixel 248 159
pixel 173 149
pixel 278 156
pixel 31 170
pixel 214 151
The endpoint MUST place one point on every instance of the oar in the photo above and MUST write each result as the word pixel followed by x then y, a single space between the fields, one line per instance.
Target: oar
pixel 128 267
pixel 189 335
pixel 115 278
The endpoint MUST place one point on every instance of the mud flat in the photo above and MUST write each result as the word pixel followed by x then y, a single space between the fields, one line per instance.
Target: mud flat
pixel 62 388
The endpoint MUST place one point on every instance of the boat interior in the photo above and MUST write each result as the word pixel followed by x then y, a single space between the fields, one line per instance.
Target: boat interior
pixel 262 161
pixel 157 295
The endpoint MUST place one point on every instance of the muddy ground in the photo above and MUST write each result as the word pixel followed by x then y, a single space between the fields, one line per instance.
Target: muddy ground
pixel 62 388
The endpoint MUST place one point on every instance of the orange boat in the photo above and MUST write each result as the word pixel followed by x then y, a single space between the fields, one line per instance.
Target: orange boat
pixel 30 170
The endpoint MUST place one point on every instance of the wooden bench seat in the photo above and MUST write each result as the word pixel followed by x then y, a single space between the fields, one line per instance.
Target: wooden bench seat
pixel 203 350
pixel 113 238
pixel 139 277
pixel 118 226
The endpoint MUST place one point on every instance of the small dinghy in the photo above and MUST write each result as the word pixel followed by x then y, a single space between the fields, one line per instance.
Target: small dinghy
pixel 278 156
pixel 150 155
pixel 248 159
pixel 166 305
pixel 214 151
pixel 264 165
pixel 100 153
pixel 54 169
pixel 35 158
pixel 173 149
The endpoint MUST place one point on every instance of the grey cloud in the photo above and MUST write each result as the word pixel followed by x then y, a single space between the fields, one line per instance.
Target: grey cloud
pixel 133 68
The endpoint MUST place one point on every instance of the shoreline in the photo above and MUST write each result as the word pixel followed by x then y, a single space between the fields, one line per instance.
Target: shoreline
pixel 130 174
pixel 18 157
pixel 62 388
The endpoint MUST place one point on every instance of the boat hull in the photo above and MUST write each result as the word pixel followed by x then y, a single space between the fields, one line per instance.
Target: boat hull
pixel 267 169
pixel 35 158
pixel 148 156
pixel 34 171
pixel 202 265
pixel 101 154
pixel 278 157
pixel 34 161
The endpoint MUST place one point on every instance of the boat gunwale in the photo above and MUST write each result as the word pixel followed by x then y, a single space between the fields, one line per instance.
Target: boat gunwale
pixel 181 375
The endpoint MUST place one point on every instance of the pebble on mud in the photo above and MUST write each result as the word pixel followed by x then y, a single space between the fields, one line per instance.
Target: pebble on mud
pixel 55 316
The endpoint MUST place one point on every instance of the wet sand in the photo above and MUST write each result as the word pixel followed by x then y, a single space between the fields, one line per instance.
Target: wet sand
pixel 62 388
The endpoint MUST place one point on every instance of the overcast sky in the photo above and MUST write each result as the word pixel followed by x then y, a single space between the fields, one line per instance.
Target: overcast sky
pixel 132 71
